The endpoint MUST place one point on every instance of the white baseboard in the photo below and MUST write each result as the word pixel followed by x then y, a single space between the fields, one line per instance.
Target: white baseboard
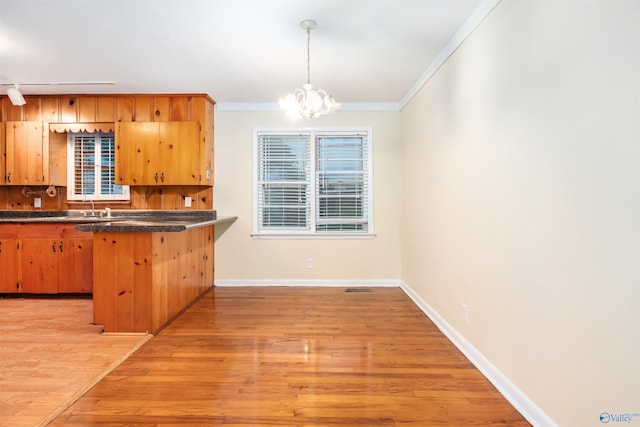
pixel 325 283
pixel 513 394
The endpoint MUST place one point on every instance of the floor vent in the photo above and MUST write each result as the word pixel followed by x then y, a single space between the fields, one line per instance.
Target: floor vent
pixel 357 290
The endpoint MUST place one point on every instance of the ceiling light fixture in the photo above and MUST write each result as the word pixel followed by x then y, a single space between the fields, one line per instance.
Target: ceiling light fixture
pixel 15 96
pixel 17 99
pixel 308 102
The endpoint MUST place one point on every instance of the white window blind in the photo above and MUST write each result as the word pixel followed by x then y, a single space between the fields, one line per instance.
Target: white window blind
pixel 91 172
pixel 283 182
pixel 312 182
pixel 341 183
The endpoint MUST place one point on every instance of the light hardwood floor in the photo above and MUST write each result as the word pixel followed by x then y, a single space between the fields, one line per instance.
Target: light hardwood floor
pixel 283 356
pixel 50 355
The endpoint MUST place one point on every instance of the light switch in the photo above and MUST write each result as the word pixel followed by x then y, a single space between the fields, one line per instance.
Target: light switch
pixel 187 202
pixel 37 202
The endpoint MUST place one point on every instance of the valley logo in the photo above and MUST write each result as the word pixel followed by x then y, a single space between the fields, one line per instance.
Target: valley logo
pixel 607 417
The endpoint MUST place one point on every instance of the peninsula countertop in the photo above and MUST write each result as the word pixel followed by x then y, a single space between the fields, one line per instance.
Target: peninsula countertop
pixel 131 221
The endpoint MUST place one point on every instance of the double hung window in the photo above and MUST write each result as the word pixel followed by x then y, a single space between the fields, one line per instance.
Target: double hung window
pixel 91 168
pixel 313 182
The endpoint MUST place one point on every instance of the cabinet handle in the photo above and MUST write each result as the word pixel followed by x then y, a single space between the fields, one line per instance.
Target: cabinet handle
pixel 156 177
pixel 61 247
pixel 162 177
pixel 9 177
pixel 53 247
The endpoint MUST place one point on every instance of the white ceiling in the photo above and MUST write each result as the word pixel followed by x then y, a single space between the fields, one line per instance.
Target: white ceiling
pixel 236 51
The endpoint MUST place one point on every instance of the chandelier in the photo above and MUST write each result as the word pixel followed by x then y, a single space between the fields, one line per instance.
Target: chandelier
pixel 308 102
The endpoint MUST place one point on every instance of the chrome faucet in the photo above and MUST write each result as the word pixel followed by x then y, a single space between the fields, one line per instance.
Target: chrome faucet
pixel 93 208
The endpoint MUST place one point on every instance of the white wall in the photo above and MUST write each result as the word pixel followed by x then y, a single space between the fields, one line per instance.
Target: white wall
pixel 240 259
pixel 521 178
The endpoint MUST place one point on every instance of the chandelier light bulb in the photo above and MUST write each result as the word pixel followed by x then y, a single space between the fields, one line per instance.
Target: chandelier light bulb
pixel 308 102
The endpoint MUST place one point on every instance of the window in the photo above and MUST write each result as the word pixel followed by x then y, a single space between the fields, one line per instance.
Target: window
pixel 312 182
pixel 91 168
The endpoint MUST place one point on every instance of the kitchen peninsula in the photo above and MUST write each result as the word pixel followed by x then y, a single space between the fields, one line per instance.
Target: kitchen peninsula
pixel 148 269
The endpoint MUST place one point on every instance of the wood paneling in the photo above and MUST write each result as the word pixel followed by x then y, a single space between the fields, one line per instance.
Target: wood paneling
pixel 109 108
pixel 142 280
pixel 68 109
pixel 143 106
pixel 161 109
pixel 180 108
pixel 50 107
pixel 106 110
pixel 87 109
pixel 124 109
pixel 57 159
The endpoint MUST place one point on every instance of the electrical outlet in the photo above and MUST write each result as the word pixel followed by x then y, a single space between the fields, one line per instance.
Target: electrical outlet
pixel 187 202
pixel 465 313
pixel 309 262
pixel 37 202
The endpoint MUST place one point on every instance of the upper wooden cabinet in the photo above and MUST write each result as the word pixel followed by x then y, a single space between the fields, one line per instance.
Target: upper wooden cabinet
pixel 162 123
pixel 26 153
pixel 158 153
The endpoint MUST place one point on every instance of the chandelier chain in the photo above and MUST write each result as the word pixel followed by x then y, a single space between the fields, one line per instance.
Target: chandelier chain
pixel 308 55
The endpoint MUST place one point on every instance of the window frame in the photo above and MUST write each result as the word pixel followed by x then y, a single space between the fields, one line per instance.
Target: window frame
pixel 311 231
pixel 96 196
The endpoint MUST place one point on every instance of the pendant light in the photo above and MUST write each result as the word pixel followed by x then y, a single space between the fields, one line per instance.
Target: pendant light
pixel 308 102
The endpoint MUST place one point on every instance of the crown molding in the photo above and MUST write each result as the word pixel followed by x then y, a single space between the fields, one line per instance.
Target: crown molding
pixel 471 23
pixel 274 106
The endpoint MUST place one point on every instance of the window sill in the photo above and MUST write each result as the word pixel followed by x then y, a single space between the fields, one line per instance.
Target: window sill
pixel 100 204
pixel 323 236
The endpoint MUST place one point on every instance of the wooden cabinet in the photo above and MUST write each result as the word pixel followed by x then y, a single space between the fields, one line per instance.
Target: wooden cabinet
pixel 39 265
pixel 75 265
pixel 8 258
pixel 26 153
pixel 3 153
pixel 45 259
pixel 158 153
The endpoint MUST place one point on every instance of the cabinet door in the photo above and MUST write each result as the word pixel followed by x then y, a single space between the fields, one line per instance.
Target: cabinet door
pixel 25 156
pixel 40 265
pixel 75 265
pixel 3 155
pixel 8 265
pixel 137 155
pixel 179 153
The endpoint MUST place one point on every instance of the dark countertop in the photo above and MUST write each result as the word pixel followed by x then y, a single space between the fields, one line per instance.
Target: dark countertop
pixel 130 221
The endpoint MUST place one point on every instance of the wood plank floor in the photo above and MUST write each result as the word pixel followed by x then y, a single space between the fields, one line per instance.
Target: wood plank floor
pixel 283 356
pixel 50 355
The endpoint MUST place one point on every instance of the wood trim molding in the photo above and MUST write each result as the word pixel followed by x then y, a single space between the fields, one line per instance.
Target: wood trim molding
pixel 81 127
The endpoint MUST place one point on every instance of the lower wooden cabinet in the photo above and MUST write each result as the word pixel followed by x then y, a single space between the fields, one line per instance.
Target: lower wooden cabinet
pixel 45 259
pixel 8 258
